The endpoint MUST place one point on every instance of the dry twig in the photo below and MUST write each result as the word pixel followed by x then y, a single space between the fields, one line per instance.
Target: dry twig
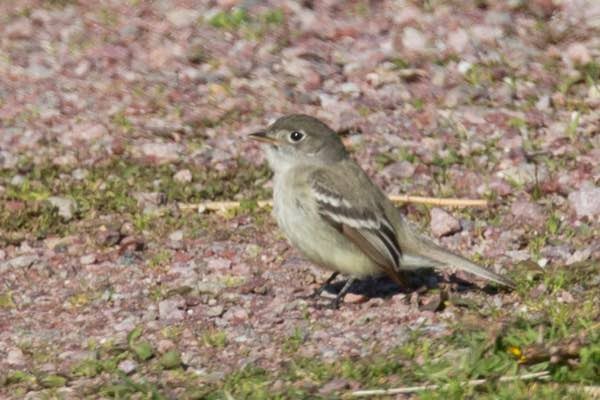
pixel 593 391
pixel 228 205
pixel 474 382
pixel 558 352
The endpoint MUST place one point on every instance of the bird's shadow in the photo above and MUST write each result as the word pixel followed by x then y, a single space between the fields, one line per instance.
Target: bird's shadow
pixel 418 281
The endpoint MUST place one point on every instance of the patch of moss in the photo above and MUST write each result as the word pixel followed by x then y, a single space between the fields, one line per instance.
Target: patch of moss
pixel 250 26
pixel 161 258
pixel 478 75
pixel 17 377
pixel 88 368
pixel 294 341
pixel 231 281
pixel 108 189
pixel 214 338
pixel 52 381
pixel 6 300
pixel 232 19
pixel 248 382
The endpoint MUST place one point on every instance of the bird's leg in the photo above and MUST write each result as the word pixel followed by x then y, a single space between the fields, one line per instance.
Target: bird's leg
pixel 335 303
pixel 317 293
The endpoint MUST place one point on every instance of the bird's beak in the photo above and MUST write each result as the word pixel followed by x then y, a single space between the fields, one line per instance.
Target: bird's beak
pixel 262 136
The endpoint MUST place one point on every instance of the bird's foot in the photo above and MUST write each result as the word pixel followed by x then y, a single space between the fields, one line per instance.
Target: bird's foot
pixel 333 304
pixel 317 293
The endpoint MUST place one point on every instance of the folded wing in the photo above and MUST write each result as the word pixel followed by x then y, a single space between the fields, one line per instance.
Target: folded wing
pixel 362 222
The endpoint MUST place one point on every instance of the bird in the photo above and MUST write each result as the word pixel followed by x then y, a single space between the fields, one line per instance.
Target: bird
pixel 337 217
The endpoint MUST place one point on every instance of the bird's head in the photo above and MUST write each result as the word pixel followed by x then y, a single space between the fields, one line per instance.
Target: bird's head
pixel 299 138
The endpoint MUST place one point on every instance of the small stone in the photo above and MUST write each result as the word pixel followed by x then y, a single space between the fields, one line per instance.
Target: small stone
pixel 586 201
pixel 432 303
pixel 108 237
pixel 160 152
pixel 14 206
pixel 557 252
pixel 458 40
pixel 349 87
pixel 253 250
pixel 176 236
pixel 128 324
pixel 353 298
pixel 593 93
pixel 500 187
pixel 17 180
pixel 464 67
pixel 127 229
pixel 76 355
pixel 87 259
pixel 165 345
pixel 211 288
pixel 130 31
pixel 159 56
pixel 127 366
pixel 183 176
pixel 566 297
pixel 149 201
pixel 486 33
pixel 192 74
pixel 182 17
pixel 518 255
pixel 538 291
pixel 82 68
pixel 218 264
pixel 22 28
pixel 23 261
pixel 543 104
pixel 543 8
pixel 399 169
pixel 15 357
pixel 527 211
pixel 171 309
pixel 524 173
pixel 236 313
pixel 442 223
pixel 65 160
pixel 578 54
pixel 312 81
pixel 38 71
pixel 579 256
pixel 84 132
pixel 278 385
pixel 66 207
pixel 163 127
pixel 196 52
pixel 93 132
pixel 334 386
pixel 79 174
pixel 215 311
pixel 414 40
pixel 132 243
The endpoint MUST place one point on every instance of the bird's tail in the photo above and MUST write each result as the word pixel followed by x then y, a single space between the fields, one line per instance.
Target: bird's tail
pixel 419 247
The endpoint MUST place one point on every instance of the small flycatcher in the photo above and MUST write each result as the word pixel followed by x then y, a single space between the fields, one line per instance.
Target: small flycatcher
pixel 336 216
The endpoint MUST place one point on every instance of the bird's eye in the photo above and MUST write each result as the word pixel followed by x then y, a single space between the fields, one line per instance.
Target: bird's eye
pixel 296 136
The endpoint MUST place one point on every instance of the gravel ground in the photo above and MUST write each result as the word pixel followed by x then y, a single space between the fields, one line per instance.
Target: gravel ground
pixel 113 114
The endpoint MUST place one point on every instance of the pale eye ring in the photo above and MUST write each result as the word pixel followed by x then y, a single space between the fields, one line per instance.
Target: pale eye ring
pixel 296 136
